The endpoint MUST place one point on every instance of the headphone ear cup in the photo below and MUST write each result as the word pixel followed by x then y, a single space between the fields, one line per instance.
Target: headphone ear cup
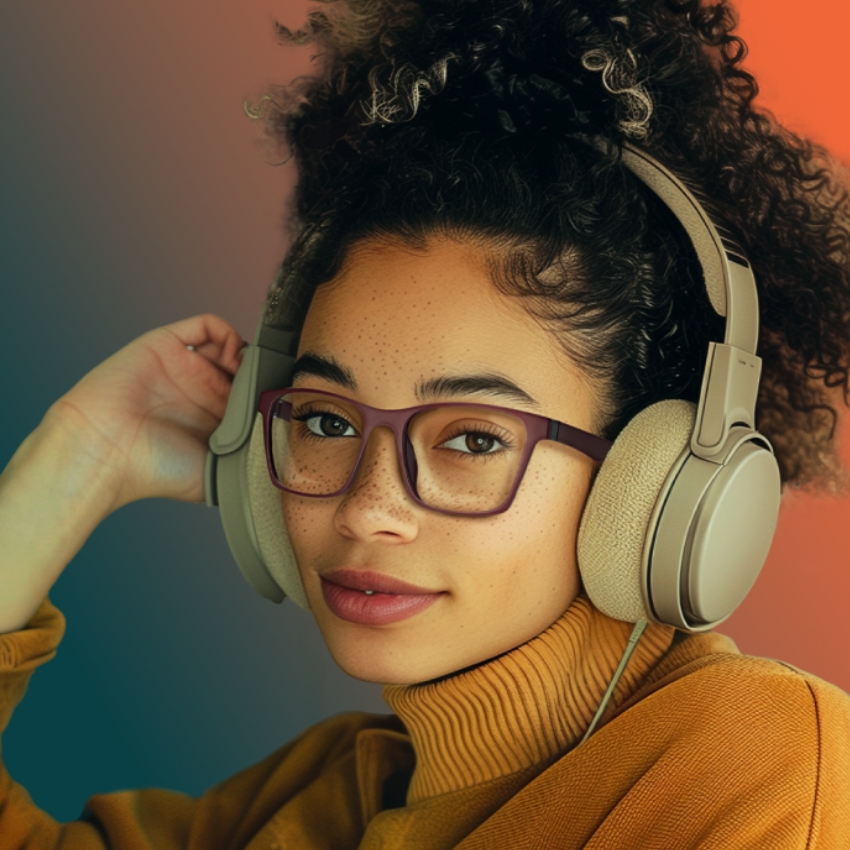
pixel 620 515
pixel 267 514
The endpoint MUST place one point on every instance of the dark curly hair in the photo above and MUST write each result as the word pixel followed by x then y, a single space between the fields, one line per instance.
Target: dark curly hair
pixel 468 119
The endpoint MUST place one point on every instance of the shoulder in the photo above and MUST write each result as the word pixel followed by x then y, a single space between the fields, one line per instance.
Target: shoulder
pixel 720 751
pixel 752 734
pixel 758 694
pixel 797 728
pixel 768 704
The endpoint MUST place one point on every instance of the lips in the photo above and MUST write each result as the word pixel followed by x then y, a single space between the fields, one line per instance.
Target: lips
pixel 390 601
pixel 369 580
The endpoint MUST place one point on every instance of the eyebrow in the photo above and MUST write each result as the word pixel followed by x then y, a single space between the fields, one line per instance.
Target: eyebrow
pixel 323 367
pixel 486 384
pixel 491 384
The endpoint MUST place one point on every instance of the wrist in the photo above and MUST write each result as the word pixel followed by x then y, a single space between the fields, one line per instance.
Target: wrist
pixel 70 464
pixel 54 492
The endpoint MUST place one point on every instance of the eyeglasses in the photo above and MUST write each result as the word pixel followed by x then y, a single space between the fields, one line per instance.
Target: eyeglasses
pixel 455 458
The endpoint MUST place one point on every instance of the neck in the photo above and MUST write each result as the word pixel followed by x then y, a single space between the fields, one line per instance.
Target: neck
pixel 524 708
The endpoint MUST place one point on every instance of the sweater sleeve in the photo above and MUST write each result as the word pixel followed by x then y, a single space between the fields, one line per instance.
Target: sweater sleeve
pixel 22 823
pixel 130 820
pixel 228 815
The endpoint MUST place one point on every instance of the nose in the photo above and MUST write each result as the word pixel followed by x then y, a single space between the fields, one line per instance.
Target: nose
pixel 378 506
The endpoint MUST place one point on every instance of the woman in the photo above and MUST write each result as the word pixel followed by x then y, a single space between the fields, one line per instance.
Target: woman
pixel 462 241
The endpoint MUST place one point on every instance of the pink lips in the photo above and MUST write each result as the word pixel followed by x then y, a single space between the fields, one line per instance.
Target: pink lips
pixel 393 599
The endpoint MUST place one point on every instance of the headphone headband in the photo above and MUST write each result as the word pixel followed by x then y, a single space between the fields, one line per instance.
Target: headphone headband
pixel 732 371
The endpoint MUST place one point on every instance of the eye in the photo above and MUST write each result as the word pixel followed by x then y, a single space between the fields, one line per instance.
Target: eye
pixel 474 442
pixel 327 425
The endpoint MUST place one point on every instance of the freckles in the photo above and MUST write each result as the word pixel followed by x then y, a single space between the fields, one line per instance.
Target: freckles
pixel 299 515
pixel 374 479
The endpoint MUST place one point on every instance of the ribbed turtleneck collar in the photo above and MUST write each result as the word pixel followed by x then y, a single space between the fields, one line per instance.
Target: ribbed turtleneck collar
pixel 523 708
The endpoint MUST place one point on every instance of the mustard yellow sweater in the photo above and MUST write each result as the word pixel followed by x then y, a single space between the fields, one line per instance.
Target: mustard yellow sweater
pixel 702 747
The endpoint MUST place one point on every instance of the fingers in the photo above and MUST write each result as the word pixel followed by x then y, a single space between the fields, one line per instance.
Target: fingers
pixel 212 337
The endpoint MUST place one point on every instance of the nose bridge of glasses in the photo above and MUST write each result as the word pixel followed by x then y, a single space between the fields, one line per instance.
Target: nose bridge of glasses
pixel 383 423
pixel 395 421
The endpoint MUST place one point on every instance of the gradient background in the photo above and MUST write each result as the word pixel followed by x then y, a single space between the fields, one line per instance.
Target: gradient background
pixel 134 194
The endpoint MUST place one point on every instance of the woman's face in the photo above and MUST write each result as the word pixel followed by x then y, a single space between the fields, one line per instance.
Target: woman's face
pixel 392 320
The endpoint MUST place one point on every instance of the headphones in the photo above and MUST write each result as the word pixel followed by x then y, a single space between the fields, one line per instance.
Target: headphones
pixel 683 509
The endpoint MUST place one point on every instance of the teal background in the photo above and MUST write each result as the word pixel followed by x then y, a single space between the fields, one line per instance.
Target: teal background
pixel 133 193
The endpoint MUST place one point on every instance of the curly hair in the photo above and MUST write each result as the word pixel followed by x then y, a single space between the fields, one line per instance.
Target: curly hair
pixel 469 119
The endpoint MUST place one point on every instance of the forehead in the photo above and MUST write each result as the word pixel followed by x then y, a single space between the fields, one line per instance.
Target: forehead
pixel 395 316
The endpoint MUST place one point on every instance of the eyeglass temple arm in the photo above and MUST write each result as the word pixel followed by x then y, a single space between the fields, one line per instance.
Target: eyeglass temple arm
pixel 589 444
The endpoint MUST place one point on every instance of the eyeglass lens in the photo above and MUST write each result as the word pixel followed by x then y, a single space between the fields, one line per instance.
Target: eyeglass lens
pixel 459 458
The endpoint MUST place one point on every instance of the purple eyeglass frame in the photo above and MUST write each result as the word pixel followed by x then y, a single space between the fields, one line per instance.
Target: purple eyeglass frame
pixel 537 428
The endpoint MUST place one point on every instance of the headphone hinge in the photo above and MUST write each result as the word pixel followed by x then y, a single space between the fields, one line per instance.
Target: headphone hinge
pixel 728 398
pixel 261 369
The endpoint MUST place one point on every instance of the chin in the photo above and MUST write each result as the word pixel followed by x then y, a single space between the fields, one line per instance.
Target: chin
pixel 376 660
pixel 382 668
pixel 379 674
pixel 389 657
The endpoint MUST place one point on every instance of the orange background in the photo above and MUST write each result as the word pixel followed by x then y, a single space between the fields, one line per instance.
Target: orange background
pixel 797 609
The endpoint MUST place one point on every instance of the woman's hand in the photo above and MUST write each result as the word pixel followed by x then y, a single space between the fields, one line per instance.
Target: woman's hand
pixel 134 427
pixel 147 412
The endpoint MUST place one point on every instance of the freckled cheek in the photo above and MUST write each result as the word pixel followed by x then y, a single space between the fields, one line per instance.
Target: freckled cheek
pixel 550 501
pixel 527 556
pixel 306 522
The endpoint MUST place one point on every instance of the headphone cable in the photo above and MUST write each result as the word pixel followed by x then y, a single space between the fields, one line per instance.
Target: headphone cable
pixel 637 631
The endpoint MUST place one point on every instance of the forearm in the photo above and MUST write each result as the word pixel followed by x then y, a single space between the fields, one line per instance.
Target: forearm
pixel 53 494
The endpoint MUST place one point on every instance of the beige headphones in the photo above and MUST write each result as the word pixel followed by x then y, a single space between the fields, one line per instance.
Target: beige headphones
pixel 681 515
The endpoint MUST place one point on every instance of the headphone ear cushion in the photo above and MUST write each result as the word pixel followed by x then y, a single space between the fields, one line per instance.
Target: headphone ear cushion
pixel 267 513
pixel 618 517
